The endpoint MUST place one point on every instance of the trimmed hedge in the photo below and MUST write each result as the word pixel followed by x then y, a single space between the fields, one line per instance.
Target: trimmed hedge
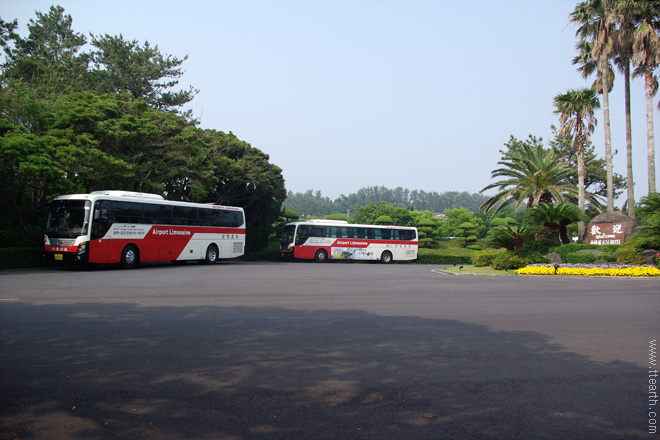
pixel 428 256
pixel 21 258
pixel 484 258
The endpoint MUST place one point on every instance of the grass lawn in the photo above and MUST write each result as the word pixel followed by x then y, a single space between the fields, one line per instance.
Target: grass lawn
pixel 480 271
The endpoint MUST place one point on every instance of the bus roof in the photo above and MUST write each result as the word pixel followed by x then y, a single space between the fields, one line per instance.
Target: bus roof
pixel 139 197
pixel 322 222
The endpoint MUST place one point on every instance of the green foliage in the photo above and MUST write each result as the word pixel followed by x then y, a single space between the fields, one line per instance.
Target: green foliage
pixel 426 222
pixel 290 215
pixel 310 203
pixel 498 222
pixel 22 257
pixel 485 258
pixel 48 59
pixel 384 220
pixel 572 248
pixel 628 255
pixel 336 216
pixel 508 261
pixel 556 217
pixel 425 242
pixel 450 226
pixel 123 66
pixel 649 214
pixel 538 246
pixel 530 174
pixel 535 258
pixel 511 237
pixel 474 247
pixel 584 258
pixel 370 213
pixel 629 252
pixel 595 179
pixel 405 198
pixel 432 256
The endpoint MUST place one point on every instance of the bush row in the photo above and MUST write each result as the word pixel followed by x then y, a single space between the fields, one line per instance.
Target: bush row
pixel 21 258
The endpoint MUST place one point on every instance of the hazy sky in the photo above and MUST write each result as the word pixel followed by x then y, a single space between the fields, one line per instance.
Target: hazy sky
pixel 348 94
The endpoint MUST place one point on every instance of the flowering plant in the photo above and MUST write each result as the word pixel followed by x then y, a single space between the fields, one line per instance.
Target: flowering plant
pixel 590 270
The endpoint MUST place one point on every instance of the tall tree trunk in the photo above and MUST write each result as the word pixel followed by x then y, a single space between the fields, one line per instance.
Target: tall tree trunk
pixel 629 177
pixel 649 130
pixel 581 175
pixel 608 137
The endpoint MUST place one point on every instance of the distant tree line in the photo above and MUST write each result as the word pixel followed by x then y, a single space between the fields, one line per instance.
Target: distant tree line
pixel 313 203
pixel 73 122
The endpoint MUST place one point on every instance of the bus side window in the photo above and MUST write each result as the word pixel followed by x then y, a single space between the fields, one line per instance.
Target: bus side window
pixel 302 234
pixel 385 233
pixel 360 232
pixel 184 216
pixel 102 219
pixel 127 212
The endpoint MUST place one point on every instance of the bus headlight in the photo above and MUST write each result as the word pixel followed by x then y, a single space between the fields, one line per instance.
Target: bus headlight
pixel 82 248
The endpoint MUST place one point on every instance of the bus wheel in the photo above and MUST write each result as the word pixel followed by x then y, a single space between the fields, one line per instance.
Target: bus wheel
pixel 386 257
pixel 130 257
pixel 211 254
pixel 321 256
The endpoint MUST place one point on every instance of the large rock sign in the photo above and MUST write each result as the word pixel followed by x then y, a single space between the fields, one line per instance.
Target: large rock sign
pixel 613 227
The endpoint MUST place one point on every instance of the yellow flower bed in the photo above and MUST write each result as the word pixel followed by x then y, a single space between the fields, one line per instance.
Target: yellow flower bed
pixel 634 271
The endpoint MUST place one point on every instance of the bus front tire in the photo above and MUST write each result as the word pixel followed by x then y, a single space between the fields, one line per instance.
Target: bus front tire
pixel 211 255
pixel 386 257
pixel 321 256
pixel 130 257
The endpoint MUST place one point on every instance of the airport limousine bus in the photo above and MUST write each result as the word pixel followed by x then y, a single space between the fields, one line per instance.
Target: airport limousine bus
pixel 324 240
pixel 128 228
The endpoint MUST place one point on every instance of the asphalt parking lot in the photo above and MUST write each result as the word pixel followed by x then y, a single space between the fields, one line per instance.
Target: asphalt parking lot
pixel 322 351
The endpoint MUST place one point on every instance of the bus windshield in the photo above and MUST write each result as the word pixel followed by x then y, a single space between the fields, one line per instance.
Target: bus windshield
pixel 287 235
pixel 68 218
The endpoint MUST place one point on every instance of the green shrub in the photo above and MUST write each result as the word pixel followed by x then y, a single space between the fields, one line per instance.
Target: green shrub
pixel 17 238
pixel 484 258
pixel 572 248
pixel 629 252
pixel 542 246
pixel 18 258
pixel 429 256
pixel 536 258
pixel 508 261
pixel 576 258
pixel 474 247
pixel 425 242
pixel 336 216
pixel 628 255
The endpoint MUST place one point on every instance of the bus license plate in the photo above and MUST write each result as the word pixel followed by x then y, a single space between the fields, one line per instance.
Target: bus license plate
pixel 59 257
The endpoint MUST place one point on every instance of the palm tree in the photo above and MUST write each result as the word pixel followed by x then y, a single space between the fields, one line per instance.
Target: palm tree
pixel 511 237
pixel 596 21
pixel 650 207
pixel 531 175
pixel 576 109
pixel 646 58
pixel 624 52
pixel 556 218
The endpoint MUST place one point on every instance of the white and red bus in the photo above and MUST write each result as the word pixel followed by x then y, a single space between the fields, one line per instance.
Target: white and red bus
pixel 324 240
pixel 128 228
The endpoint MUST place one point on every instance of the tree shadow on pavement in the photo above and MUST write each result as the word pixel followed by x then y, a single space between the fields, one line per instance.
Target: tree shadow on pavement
pixel 93 371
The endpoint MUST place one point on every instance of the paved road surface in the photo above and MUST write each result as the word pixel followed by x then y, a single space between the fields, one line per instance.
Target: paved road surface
pixel 322 351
